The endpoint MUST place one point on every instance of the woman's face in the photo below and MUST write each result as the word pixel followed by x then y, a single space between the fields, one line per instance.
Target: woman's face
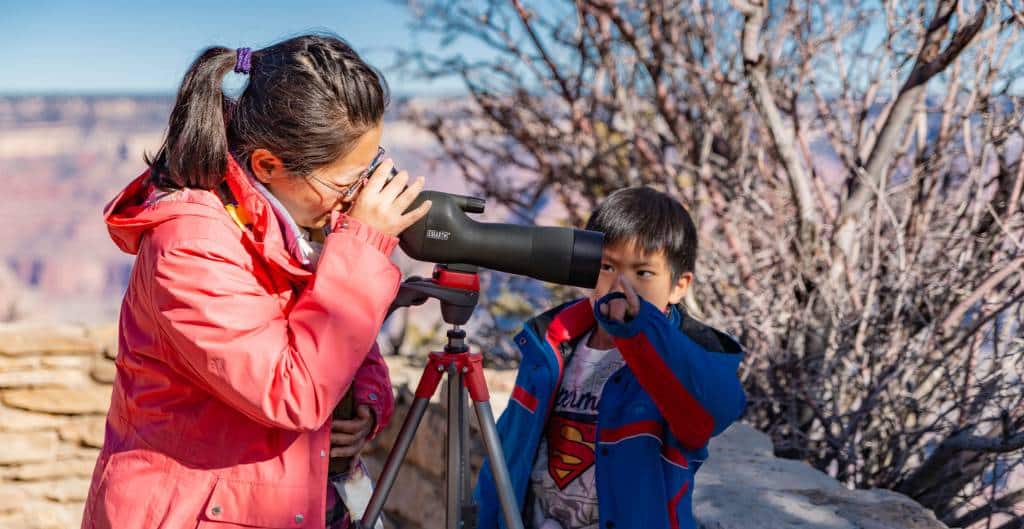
pixel 311 199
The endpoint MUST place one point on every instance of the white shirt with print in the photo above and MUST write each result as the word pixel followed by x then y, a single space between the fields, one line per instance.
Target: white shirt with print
pixel 562 484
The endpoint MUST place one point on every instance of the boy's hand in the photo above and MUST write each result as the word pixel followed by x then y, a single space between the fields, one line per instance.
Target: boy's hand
pixel 349 437
pixel 621 310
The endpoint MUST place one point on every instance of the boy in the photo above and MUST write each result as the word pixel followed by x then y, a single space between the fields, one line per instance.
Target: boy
pixel 618 393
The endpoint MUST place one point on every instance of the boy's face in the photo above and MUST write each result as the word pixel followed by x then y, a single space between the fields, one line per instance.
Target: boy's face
pixel 650 275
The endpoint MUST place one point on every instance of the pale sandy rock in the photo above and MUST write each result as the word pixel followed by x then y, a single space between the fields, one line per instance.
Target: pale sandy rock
pixel 19 363
pixel 35 378
pixel 15 420
pixel 743 486
pixel 95 399
pixel 11 498
pixel 401 373
pixel 104 371
pixel 27 447
pixel 68 451
pixel 106 336
pixel 877 509
pixel 54 469
pixel 63 490
pixel 66 362
pixel 501 381
pixel 19 339
pixel 87 431
pixel 499 401
pixel 41 514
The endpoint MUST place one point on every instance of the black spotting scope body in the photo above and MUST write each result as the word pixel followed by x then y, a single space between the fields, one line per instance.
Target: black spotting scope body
pixel 447 235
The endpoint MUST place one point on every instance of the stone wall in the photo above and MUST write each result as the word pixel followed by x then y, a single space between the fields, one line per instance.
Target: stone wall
pixel 54 392
pixel 55 388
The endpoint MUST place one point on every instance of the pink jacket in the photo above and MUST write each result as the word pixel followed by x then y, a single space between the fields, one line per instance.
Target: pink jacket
pixel 230 362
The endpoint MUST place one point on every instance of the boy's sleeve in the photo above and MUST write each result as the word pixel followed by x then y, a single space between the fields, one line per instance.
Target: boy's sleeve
pixel 696 390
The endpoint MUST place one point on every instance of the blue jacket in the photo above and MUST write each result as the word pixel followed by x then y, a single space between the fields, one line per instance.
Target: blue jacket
pixel 678 389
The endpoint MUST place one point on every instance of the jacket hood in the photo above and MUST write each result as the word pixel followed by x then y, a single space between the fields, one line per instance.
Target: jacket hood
pixel 134 211
pixel 141 207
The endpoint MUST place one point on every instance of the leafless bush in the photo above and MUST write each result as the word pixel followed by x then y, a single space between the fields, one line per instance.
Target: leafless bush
pixel 855 168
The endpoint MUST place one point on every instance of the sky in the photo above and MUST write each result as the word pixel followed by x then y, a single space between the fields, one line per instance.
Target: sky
pixel 145 46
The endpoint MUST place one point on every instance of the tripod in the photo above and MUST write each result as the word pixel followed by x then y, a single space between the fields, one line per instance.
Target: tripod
pixel 457 287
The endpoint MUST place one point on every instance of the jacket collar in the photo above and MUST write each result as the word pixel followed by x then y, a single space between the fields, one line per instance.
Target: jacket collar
pixel 140 207
pixel 563 326
pixel 570 321
pixel 264 230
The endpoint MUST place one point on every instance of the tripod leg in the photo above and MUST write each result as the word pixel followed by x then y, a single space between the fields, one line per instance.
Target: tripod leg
pixel 502 481
pixel 395 458
pixel 454 441
pixel 468 508
pixel 469 511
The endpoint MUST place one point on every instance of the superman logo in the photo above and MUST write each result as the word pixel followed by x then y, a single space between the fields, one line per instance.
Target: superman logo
pixel 570 449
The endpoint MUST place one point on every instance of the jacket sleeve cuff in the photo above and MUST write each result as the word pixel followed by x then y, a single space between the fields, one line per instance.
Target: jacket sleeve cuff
pixel 628 328
pixel 381 402
pixel 381 241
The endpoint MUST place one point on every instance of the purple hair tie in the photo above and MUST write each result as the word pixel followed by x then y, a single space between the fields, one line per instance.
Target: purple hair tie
pixel 244 60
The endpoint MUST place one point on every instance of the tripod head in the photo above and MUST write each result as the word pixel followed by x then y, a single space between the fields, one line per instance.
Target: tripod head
pixel 456 286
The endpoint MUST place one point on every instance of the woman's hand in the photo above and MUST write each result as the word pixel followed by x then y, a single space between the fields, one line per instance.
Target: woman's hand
pixel 381 204
pixel 348 437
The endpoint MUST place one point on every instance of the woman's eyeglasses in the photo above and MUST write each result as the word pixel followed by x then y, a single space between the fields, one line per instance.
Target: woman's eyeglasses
pixel 349 192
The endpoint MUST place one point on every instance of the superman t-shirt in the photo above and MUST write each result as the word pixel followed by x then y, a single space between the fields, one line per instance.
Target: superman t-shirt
pixel 562 483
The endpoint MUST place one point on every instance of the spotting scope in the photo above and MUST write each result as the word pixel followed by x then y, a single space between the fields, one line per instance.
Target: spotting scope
pixel 448 235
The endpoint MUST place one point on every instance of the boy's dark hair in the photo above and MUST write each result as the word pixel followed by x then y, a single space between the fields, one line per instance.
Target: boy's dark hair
pixel 308 100
pixel 654 220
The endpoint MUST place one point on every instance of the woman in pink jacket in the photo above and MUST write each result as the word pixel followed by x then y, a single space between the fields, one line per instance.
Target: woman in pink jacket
pixel 262 230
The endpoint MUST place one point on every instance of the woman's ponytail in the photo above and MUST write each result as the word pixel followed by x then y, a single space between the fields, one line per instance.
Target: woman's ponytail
pixel 308 100
pixel 195 152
